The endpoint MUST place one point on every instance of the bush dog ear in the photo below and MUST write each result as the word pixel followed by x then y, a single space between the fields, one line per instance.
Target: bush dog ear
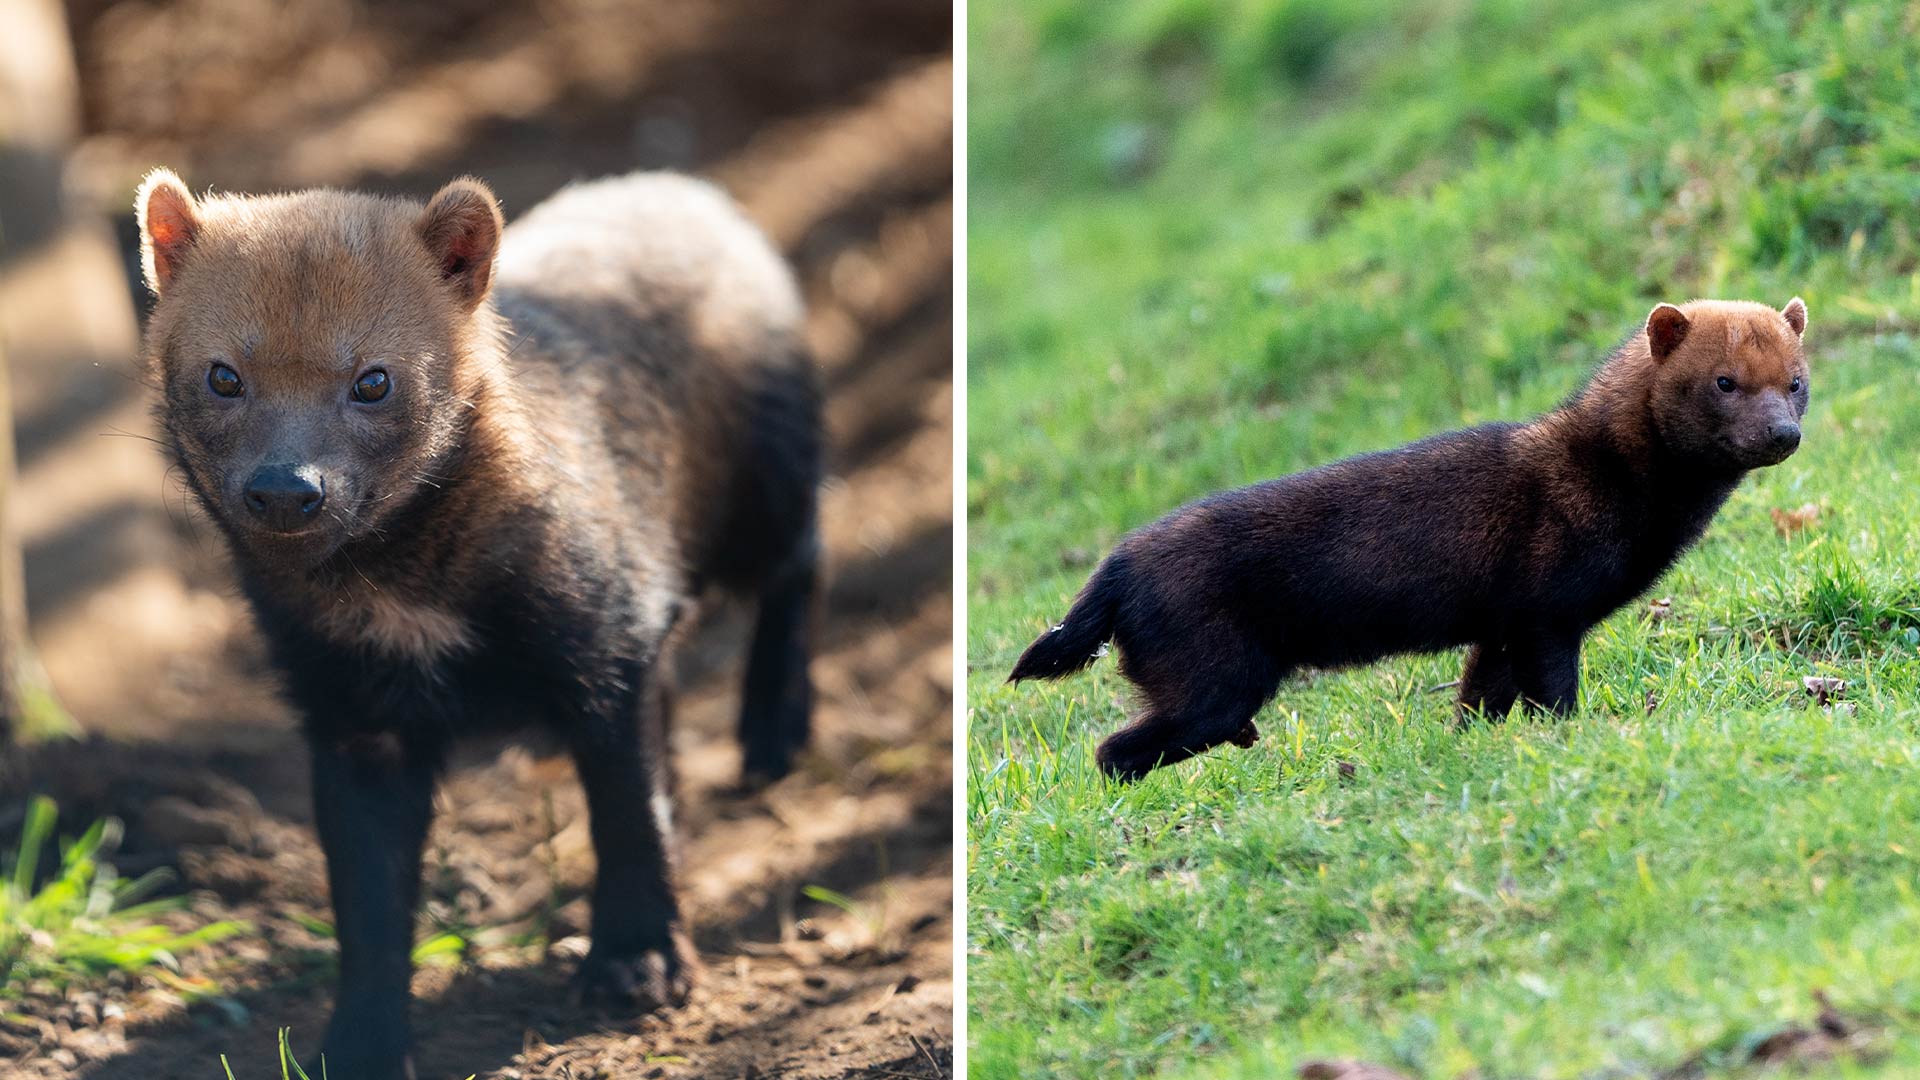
pixel 169 222
pixel 1666 329
pixel 1796 313
pixel 461 227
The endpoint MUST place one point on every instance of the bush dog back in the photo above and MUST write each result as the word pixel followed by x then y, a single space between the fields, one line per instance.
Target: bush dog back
pixel 471 480
pixel 1513 539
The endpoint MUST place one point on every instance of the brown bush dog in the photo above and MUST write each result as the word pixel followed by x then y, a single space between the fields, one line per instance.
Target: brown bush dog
pixel 1512 539
pixel 465 493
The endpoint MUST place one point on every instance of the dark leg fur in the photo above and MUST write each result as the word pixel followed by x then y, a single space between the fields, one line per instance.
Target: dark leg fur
pixel 1547 671
pixel 1487 688
pixel 640 958
pixel 778 698
pixel 373 803
pixel 1212 703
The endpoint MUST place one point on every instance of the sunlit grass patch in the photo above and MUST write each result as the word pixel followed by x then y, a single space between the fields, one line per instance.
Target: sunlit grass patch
pixel 85 920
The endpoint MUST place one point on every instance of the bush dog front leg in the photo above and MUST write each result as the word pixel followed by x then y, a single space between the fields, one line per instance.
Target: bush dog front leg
pixel 640 956
pixel 1547 670
pixel 1486 683
pixel 373 801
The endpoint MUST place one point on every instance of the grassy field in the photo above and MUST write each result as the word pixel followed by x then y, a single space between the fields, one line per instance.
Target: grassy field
pixel 1216 242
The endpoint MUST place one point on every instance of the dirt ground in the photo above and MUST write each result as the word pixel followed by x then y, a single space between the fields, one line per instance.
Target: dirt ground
pixel 831 121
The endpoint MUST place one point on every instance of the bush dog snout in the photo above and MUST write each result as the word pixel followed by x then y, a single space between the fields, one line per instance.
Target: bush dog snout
pixel 442 534
pixel 285 498
pixel 1512 539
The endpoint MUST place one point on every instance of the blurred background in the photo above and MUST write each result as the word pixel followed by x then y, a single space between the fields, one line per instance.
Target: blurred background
pixel 1247 234
pixel 830 122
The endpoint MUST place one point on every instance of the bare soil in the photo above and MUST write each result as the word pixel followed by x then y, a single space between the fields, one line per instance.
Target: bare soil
pixel 831 121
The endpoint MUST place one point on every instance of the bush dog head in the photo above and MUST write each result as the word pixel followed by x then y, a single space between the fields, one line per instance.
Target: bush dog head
pixel 1729 380
pixel 314 351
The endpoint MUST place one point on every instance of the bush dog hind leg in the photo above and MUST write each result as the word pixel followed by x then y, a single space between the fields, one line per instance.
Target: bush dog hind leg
pixel 1191 707
pixel 1160 736
pixel 778 694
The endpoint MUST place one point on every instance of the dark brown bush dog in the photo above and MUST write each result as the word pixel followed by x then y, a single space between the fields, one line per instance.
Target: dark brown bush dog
pixel 466 494
pixel 1514 539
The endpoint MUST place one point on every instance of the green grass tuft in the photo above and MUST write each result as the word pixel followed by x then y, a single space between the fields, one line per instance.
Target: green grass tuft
pixel 85 920
pixel 289 1066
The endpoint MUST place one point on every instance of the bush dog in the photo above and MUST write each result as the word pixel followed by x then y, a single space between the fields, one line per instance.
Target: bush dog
pixel 470 479
pixel 1512 539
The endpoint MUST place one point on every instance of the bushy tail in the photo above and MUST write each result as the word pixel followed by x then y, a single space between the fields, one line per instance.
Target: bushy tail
pixel 1077 641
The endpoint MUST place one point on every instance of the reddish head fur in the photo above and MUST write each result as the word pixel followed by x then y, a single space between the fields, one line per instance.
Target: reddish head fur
pixel 1720 383
pixel 300 296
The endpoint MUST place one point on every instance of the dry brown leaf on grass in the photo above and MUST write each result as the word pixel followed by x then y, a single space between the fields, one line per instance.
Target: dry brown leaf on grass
pixel 1824 689
pixel 1788 522
pixel 1347 1070
pixel 1796 1046
pixel 1831 1036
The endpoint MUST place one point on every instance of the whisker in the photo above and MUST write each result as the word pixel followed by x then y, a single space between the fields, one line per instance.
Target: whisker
pixel 116 433
pixel 356 569
pixel 140 377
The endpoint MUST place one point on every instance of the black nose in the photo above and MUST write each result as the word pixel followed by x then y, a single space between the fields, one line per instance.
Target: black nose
pixel 284 498
pixel 1784 437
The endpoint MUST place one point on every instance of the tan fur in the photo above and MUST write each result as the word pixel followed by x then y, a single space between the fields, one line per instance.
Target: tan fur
pixel 394 625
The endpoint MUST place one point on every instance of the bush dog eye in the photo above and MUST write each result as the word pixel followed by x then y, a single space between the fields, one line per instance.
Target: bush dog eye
pixel 1511 539
pixel 372 386
pixel 657 341
pixel 224 381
